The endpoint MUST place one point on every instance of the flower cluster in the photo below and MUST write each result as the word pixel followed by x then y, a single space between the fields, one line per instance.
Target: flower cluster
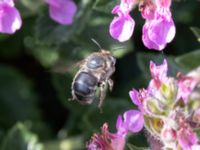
pixel 158 30
pixel 131 121
pixel 61 11
pixel 169 109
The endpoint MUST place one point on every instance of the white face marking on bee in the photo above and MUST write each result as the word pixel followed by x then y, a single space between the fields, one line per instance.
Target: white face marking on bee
pixel 94 72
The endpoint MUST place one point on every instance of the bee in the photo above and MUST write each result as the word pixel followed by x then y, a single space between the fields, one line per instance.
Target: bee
pixel 94 72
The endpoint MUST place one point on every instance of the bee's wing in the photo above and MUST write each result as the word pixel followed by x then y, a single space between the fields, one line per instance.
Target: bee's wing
pixel 62 68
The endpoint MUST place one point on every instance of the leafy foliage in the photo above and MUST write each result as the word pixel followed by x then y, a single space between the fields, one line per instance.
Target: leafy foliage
pixel 20 138
pixel 190 60
pixel 33 93
pixel 196 32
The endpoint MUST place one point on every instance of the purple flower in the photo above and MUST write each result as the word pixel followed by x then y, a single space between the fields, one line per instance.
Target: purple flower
pixel 62 11
pixel 132 121
pixel 10 19
pixel 158 32
pixel 107 140
pixel 158 74
pixel 186 84
pixel 159 28
pixel 122 26
pixel 186 137
pixel 134 95
pixel 195 147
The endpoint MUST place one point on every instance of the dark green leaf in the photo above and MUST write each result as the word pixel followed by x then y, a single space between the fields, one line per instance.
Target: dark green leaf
pixel 189 61
pixel 105 5
pixel 196 32
pixel 29 7
pixel 133 147
pixel 18 100
pixel 72 143
pixel 48 32
pixel 197 131
pixel 20 138
pixel 46 55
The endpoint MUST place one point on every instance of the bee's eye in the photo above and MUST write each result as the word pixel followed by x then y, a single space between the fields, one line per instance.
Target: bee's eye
pixel 95 62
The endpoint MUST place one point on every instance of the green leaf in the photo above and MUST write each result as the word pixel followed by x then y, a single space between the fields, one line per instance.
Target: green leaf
pixel 46 55
pixel 196 32
pixel 189 61
pixel 18 100
pixel 105 5
pixel 48 32
pixel 197 131
pixel 65 144
pixel 29 7
pixel 133 147
pixel 20 138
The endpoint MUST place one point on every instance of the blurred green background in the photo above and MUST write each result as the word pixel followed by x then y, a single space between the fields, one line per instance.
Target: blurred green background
pixel 35 113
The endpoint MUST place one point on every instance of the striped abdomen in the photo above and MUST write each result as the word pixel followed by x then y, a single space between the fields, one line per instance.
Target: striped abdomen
pixel 84 87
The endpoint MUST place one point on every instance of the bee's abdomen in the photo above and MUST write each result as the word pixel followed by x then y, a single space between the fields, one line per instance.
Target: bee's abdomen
pixel 84 86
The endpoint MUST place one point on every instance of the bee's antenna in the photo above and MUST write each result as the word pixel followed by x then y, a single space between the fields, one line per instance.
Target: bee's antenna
pixel 93 40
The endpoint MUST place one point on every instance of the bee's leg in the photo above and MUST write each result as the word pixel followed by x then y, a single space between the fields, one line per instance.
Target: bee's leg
pixel 73 97
pixel 102 94
pixel 110 83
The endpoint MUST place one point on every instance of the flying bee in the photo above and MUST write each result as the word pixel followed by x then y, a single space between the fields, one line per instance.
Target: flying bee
pixel 94 72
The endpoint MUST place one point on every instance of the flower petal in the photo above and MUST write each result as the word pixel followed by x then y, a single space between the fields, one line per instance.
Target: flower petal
pixel 116 10
pixel 9 2
pixel 121 27
pixel 134 95
pixel 134 120
pixel 62 11
pixel 159 71
pixel 186 85
pixel 186 137
pixel 146 39
pixel 10 20
pixel 195 147
pixel 158 31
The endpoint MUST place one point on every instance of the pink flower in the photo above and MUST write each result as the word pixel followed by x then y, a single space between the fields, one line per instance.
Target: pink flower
pixel 186 85
pixel 147 9
pixel 10 19
pixel 107 140
pixel 122 26
pixel 167 119
pixel 159 28
pixel 134 95
pixel 132 121
pixel 62 11
pixel 138 98
pixel 186 137
pixel 195 147
pixel 158 74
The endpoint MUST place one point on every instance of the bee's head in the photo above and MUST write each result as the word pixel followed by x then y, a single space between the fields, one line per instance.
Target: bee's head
pixel 110 57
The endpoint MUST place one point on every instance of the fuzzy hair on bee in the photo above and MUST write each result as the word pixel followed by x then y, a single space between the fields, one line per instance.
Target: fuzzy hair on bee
pixel 94 72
